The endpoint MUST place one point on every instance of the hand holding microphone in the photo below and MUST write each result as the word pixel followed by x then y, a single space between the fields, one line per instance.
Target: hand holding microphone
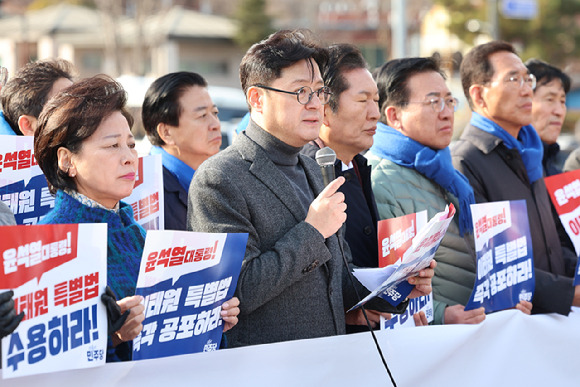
pixel 327 211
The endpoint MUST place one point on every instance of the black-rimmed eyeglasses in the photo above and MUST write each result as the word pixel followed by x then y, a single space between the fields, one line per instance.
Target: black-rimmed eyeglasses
pixel 304 94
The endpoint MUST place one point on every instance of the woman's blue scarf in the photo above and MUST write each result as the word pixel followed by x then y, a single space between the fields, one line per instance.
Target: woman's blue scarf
pixel 433 164
pixel 528 143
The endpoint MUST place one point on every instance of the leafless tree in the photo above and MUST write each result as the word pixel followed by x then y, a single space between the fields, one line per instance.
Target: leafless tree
pixel 111 12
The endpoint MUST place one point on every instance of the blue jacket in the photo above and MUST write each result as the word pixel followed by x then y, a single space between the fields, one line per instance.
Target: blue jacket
pixel 175 197
pixel 5 127
pixel 176 180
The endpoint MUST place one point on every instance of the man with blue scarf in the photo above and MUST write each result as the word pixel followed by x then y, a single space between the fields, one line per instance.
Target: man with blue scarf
pixel 412 172
pixel 501 155
pixel 182 124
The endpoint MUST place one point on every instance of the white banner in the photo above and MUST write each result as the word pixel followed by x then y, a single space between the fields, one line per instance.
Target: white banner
pixel 507 349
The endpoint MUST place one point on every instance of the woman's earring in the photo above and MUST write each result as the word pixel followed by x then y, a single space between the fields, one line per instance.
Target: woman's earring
pixel 69 172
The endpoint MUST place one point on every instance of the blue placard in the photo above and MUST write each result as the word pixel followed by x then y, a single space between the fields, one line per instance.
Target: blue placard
pixel 29 202
pixel 183 311
pixel 505 259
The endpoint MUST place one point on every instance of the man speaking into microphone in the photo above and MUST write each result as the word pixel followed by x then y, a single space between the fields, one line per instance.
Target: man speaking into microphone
pixel 292 284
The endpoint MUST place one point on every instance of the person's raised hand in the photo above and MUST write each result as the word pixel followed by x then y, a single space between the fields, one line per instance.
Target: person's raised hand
pixel 328 211
pixel 420 319
pixel 422 281
pixel 524 306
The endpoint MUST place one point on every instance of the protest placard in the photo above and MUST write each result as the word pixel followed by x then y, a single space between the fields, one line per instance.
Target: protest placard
pixel 395 238
pixel 405 319
pixel 390 283
pixel 505 260
pixel 22 184
pixel 564 190
pixel 58 273
pixel 147 197
pixel 184 278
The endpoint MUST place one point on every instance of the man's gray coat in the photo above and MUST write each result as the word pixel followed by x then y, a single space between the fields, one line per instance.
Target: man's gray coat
pixel 291 284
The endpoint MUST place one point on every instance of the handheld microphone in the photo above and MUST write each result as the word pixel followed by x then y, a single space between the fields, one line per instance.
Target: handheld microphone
pixel 325 158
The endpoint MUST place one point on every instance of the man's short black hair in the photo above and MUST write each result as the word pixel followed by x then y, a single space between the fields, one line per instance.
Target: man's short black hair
pixel 392 80
pixel 342 58
pixel 161 103
pixel 546 73
pixel 27 92
pixel 476 69
pixel 264 61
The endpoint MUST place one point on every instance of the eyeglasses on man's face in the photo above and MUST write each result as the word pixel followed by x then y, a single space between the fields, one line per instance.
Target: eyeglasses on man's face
pixel 438 103
pixel 519 80
pixel 304 94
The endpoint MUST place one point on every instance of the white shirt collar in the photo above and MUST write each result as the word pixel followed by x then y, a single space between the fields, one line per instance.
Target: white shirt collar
pixel 346 167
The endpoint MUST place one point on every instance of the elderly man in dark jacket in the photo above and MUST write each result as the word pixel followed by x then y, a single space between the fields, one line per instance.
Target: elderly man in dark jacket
pixel 181 122
pixel 501 155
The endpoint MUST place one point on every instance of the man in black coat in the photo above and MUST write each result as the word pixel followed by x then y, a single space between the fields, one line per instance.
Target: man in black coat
pixel 501 155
